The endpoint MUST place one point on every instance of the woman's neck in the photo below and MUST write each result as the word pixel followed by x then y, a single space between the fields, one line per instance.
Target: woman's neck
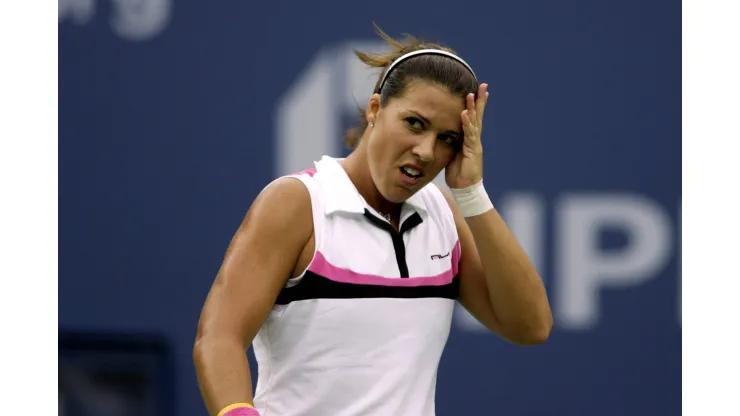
pixel 358 171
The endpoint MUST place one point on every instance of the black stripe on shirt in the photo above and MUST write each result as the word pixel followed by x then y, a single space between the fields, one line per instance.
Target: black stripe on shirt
pixel 314 286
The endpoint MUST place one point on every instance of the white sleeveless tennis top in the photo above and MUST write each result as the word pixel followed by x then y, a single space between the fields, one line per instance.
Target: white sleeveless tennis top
pixel 361 331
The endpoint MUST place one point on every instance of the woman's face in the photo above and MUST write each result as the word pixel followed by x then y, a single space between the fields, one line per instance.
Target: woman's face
pixel 414 137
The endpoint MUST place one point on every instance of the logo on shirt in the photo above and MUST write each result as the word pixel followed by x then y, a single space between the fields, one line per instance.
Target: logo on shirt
pixel 440 256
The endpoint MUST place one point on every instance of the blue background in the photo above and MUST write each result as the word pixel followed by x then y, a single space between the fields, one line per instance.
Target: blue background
pixel 165 141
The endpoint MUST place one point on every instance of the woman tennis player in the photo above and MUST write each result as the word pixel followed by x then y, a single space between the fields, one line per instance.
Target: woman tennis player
pixel 344 277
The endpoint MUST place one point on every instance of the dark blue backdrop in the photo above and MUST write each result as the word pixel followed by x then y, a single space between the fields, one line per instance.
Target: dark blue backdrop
pixel 174 115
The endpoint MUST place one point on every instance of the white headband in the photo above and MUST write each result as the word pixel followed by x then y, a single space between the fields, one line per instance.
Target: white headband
pixel 423 52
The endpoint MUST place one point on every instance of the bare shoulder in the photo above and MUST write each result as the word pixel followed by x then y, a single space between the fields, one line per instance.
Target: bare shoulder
pixel 285 204
pixel 273 234
pixel 285 189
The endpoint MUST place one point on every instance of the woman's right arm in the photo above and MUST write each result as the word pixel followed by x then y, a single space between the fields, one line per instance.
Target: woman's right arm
pixel 257 264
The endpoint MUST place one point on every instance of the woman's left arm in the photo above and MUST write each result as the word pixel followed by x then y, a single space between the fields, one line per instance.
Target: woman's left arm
pixel 499 286
pixel 498 283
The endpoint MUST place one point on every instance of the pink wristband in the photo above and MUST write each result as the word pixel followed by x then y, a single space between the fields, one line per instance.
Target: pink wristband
pixel 242 411
pixel 239 409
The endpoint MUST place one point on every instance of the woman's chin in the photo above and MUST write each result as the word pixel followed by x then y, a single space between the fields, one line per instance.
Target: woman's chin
pixel 398 194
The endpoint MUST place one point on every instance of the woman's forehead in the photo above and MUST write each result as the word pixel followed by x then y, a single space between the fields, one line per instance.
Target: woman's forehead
pixel 433 102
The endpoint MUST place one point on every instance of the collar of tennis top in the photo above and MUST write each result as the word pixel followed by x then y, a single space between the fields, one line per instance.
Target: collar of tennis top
pixel 342 196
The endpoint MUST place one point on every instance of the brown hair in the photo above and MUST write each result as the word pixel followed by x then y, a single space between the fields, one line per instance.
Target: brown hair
pixel 436 68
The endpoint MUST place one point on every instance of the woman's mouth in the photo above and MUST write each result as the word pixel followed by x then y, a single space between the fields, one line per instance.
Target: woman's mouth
pixel 411 175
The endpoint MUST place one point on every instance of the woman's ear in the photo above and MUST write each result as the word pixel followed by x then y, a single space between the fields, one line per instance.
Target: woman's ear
pixel 373 106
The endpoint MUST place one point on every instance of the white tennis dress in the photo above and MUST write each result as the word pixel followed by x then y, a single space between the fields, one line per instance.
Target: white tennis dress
pixel 361 331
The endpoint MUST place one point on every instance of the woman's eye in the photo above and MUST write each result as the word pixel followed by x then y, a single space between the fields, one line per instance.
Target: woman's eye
pixel 414 123
pixel 450 141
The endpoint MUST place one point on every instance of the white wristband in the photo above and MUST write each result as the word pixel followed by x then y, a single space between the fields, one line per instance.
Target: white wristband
pixel 472 200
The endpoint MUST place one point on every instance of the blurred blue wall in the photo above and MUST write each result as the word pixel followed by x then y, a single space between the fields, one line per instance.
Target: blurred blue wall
pixel 174 115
